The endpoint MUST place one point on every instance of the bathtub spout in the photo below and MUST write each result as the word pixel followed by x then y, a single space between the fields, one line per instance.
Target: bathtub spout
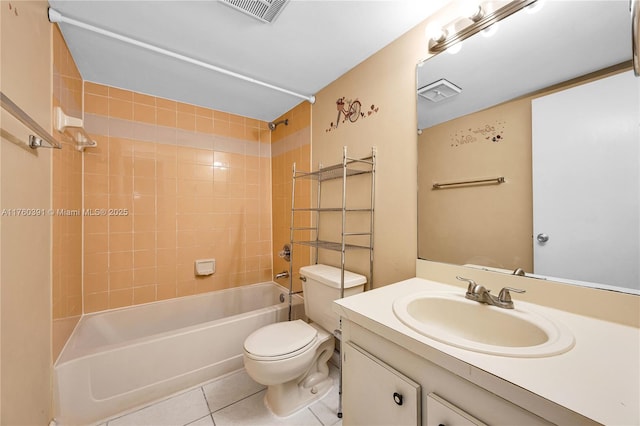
pixel 284 274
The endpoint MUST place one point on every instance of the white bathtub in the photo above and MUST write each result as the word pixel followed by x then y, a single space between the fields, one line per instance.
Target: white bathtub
pixel 119 359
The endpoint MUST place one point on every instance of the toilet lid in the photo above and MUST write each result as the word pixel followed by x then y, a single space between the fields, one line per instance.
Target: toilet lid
pixel 280 338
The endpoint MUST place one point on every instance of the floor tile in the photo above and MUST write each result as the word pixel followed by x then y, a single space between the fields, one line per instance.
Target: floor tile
pixel 234 400
pixel 179 410
pixel 205 421
pixel 326 410
pixel 251 411
pixel 230 389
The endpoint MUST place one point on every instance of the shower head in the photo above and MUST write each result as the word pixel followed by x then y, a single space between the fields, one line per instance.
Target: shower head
pixel 272 125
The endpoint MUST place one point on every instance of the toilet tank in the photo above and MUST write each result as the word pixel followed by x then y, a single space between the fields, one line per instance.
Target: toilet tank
pixel 322 287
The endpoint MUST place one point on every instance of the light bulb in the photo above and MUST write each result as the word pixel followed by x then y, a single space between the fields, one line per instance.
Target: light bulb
pixel 470 9
pixel 534 7
pixel 488 32
pixel 455 48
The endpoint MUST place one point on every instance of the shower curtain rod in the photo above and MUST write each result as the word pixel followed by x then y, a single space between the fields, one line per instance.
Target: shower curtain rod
pixel 57 17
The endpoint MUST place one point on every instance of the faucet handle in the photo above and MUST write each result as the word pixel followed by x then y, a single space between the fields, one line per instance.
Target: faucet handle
pixel 520 272
pixel 505 295
pixel 472 284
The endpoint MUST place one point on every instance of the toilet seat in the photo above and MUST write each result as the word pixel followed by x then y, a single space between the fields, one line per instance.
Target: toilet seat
pixel 280 340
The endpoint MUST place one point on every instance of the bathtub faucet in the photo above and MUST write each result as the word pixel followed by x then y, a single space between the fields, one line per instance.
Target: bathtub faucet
pixel 284 274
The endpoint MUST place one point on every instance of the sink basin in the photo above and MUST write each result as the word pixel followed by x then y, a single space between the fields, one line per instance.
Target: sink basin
pixel 452 319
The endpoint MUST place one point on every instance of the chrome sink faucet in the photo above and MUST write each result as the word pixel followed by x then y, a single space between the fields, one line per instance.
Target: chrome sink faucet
pixel 481 294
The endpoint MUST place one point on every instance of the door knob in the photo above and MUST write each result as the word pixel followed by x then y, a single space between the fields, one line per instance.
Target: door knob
pixel 542 238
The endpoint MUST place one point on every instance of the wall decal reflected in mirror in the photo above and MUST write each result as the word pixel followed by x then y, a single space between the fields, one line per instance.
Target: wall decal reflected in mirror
pixel 559 86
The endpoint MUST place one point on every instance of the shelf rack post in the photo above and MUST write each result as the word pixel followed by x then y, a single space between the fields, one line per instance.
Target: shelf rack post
pixel 347 168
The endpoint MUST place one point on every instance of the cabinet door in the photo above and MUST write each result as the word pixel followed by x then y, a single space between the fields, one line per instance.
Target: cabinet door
pixel 373 393
pixel 442 413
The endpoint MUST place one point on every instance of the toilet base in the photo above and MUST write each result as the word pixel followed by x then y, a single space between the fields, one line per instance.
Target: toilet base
pixel 287 398
pixel 285 407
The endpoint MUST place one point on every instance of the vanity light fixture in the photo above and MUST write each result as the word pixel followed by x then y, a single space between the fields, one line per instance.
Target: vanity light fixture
pixel 435 32
pixel 473 20
pixel 534 8
pixel 489 32
pixel 439 90
pixel 471 9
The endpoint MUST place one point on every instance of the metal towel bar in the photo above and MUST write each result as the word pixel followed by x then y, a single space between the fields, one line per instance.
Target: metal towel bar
pixel 35 141
pixel 498 180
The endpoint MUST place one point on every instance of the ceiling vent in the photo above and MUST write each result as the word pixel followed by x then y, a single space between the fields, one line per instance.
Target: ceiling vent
pixel 264 10
pixel 439 90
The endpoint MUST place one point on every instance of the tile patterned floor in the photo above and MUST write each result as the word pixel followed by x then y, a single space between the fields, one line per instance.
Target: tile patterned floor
pixel 232 400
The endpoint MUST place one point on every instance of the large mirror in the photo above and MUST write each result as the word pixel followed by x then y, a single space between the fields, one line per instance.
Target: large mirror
pixel 528 147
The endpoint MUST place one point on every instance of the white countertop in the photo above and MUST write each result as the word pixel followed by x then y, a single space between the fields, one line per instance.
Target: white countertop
pixel 599 378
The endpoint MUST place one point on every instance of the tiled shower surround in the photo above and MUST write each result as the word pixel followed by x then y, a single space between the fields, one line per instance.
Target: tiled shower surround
pixel 66 271
pixel 291 144
pixel 171 183
pixel 180 182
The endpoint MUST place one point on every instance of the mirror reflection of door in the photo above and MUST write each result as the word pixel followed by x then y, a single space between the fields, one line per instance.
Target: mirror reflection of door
pixel 586 156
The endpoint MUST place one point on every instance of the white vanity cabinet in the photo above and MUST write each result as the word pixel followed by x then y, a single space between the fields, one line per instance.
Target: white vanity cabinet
pixel 375 368
pixel 576 387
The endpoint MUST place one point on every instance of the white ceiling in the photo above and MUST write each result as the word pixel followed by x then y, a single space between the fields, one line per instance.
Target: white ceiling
pixel 309 45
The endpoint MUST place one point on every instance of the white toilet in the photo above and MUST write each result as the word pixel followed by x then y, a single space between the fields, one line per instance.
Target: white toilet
pixel 290 358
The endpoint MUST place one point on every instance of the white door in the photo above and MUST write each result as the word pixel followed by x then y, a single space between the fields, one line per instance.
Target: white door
pixel 586 182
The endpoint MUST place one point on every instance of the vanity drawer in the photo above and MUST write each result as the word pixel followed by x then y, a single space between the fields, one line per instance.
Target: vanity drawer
pixel 441 412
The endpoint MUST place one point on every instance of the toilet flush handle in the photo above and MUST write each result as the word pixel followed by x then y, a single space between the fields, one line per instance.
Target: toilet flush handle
pixel 303 278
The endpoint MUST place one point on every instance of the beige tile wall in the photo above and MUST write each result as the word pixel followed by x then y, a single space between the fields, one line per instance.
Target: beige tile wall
pixel 179 183
pixel 66 195
pixel 291 143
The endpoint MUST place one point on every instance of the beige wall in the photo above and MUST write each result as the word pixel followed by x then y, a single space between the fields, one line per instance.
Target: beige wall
pixel 182 183
pixel 25 176
pixel 387 81
pixel 291 144
pixel 488 225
